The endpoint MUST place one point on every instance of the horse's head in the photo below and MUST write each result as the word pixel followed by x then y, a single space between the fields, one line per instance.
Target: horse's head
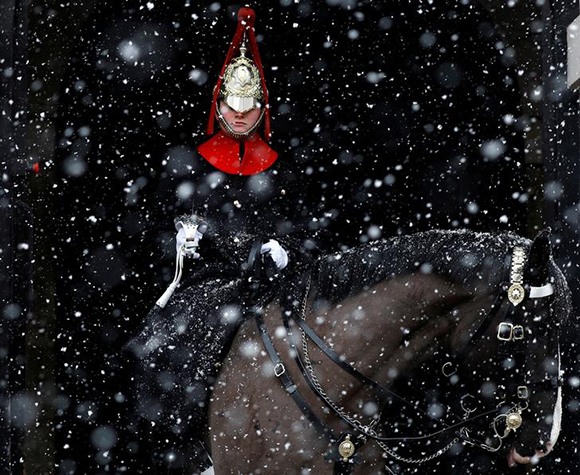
pixel 545 308
pixel 522 360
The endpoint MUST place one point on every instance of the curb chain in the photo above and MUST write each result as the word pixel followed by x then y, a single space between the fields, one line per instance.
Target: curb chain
pixel 368 429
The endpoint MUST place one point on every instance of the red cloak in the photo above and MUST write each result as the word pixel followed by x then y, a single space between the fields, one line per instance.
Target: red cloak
pixel 224 153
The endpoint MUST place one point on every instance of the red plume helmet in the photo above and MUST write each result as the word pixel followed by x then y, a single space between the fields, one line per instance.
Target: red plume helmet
pixel 242 87
pixel 245 29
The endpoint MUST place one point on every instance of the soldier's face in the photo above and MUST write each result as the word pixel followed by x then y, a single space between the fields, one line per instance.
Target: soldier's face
pixel 238 121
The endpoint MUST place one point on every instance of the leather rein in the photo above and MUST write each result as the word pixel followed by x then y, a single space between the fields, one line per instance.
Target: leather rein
pixel 343 447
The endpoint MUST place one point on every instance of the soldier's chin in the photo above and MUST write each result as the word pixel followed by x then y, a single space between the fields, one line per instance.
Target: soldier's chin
pixel 240 129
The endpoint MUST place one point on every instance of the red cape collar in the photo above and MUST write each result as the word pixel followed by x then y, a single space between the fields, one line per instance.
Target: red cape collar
pixel 223 152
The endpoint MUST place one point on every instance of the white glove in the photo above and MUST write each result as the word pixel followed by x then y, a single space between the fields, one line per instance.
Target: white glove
pixel 276 252
pixel 190 246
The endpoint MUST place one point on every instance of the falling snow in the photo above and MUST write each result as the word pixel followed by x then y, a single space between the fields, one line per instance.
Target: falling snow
pixel 416 145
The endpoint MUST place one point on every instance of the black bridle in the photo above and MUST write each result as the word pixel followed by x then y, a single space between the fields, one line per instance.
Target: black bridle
pixel 511 331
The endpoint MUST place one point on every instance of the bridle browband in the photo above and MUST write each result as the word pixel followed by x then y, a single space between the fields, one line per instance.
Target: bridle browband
pixel 343 447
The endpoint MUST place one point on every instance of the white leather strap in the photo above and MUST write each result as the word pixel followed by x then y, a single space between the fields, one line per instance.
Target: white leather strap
pixel 540 292
pixel 162 302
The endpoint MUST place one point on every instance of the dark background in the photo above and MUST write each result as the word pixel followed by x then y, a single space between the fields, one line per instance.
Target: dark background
pixel 391 119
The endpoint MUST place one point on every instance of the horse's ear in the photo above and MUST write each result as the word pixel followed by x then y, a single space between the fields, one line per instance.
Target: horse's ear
pixel 540 253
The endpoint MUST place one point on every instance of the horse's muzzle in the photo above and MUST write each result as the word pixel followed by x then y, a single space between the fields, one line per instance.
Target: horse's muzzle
pixel 514 457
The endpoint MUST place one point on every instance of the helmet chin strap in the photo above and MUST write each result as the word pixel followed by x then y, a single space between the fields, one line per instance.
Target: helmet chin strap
pixel 238 135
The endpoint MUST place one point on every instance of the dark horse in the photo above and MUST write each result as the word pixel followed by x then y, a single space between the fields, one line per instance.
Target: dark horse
pixel 401 311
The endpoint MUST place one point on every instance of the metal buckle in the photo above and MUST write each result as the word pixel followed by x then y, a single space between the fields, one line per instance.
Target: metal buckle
pixel 465 405
pixel 279 370
pixel 523 392
pixel 518 332
pixel 502 329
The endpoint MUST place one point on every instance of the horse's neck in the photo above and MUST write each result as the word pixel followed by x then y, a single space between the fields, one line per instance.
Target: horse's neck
pixel 394 325
pixel 476 261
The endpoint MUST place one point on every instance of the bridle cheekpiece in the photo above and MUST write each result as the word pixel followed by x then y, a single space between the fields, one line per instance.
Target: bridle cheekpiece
pixel 516 292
